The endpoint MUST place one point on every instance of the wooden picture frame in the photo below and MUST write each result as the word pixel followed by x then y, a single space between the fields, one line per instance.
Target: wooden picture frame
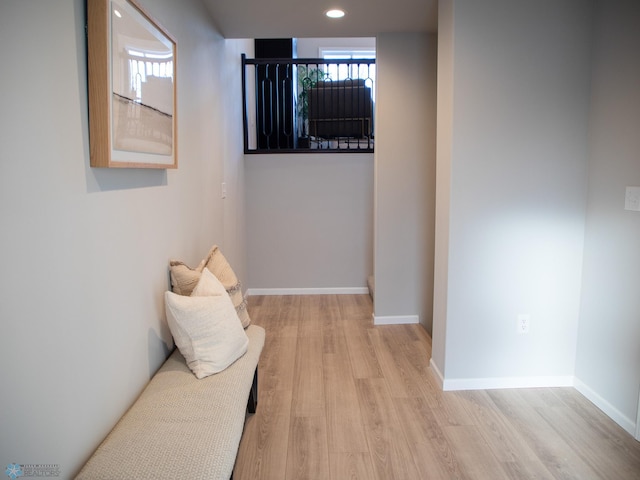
pixel 132 87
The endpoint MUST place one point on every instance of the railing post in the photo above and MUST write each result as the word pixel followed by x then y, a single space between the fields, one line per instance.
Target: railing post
pixel 245 120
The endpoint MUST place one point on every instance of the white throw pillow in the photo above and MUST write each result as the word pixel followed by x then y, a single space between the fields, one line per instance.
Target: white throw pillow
pixel 206 328
pixel 185 278
pixel 208 285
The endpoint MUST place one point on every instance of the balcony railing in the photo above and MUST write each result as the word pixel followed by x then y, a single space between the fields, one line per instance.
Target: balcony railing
pixel 308 105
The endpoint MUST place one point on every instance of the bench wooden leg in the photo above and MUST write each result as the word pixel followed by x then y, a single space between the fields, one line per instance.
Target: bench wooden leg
pixel 253 394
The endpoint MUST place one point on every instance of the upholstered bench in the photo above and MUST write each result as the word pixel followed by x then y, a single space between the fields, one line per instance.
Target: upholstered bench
pixel 181 426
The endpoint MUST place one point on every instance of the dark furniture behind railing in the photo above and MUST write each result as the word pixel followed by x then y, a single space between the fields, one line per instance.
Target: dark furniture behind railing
pixel 343 108
pixel 332 103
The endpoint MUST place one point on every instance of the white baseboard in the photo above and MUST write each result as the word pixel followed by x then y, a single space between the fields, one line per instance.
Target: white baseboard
pixel 308 291
pixel 395 319
pixel 637 435
pixel 531 382
pixel 611 411
pixel 437 372
pixel 506 382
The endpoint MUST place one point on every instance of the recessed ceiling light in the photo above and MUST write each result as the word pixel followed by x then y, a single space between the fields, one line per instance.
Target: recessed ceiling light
pixel 118 14
pixel 335 13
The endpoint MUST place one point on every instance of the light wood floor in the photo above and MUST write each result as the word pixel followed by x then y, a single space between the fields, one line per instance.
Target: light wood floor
pixel 342 399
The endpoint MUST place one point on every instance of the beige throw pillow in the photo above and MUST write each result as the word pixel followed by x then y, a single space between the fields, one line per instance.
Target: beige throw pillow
pixel 205 328
pixel 218 265
pixel 184 278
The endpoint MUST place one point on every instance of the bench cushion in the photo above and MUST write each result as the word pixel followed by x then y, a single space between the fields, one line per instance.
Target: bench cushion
pixel 181 427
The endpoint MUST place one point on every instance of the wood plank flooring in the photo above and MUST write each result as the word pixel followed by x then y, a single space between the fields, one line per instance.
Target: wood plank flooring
pixel 341 399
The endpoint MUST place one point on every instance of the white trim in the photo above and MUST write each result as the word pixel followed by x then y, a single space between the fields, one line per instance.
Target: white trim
pixel 354 50
pixel 308 291
pixel 531 382
pixel 611 411
pixel 437 373
pixel 506 382
pixel 395 319
pixel 638 422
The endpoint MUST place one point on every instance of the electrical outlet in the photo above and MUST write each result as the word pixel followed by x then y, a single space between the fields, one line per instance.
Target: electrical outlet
pixel 524 321
pixel 632 199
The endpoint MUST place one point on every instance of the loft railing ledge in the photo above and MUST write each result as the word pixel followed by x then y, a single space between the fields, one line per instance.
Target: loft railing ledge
pixel 308 105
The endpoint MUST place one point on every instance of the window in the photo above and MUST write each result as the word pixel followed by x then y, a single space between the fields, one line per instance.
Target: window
pixel 143 65
pixel 353 70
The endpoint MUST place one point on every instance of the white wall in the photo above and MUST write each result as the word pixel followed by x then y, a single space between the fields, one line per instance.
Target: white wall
pixel 310 216
pixel 444 147
pixel 405 177
pixel 309 221
pixel 234 210
pixel 518 124
pixel 84 250
pixel 608 356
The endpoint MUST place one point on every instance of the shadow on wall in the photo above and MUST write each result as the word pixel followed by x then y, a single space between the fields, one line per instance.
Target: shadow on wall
pixel 158 349
pixel 106 179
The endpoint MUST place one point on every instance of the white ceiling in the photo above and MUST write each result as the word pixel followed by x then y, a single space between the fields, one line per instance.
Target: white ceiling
pixel 305 18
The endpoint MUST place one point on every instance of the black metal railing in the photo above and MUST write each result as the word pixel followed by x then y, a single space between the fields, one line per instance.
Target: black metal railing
pixel 308 105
